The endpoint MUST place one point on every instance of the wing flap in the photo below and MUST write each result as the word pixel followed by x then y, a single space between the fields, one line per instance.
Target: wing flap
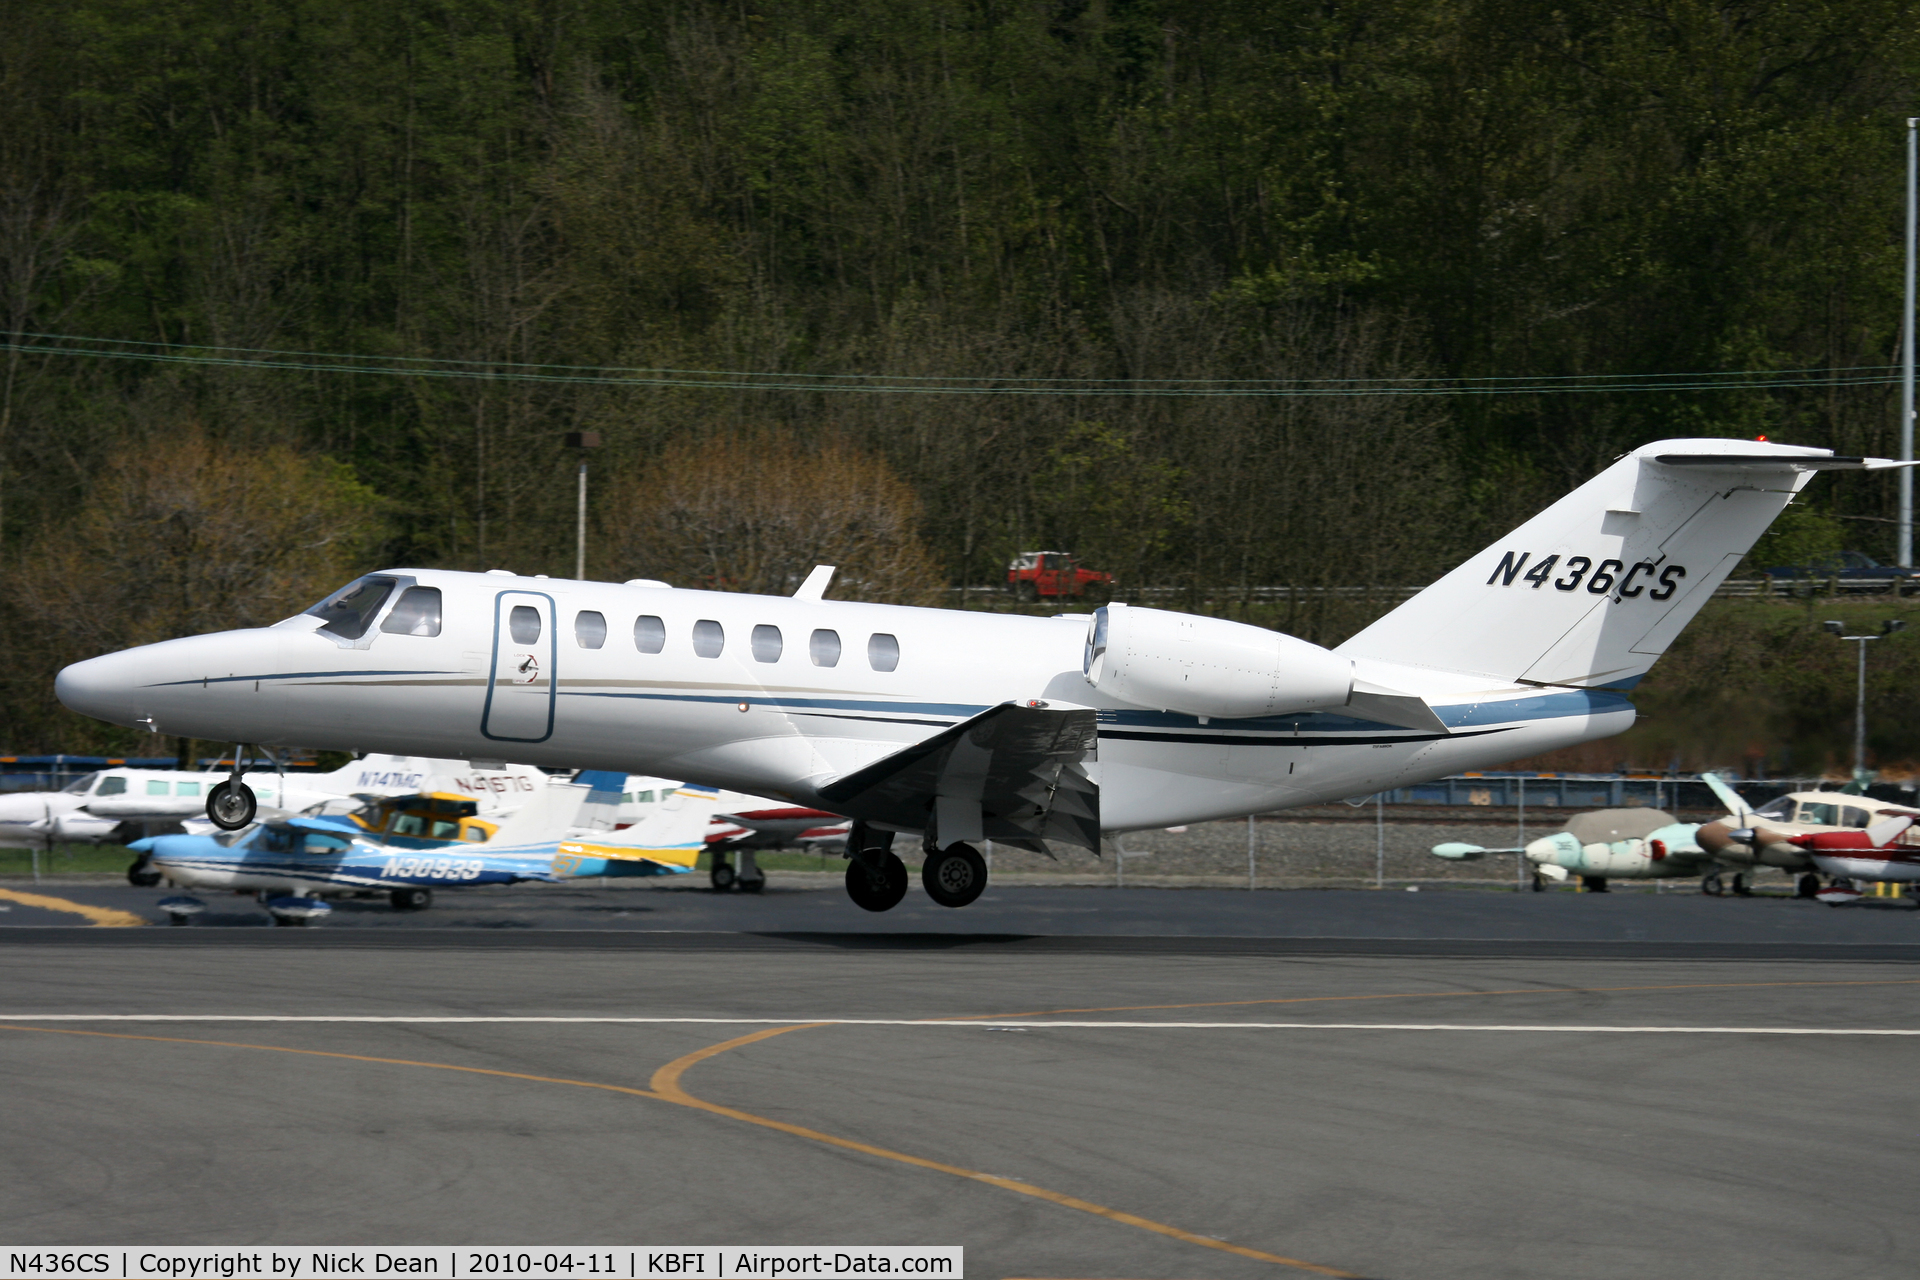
pixel 1020 768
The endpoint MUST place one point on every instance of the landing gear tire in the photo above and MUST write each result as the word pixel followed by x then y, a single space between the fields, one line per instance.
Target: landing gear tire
pixel 879 888
pixel 411 899
pixel 1539 883
pixel 141 875
pixel 955 875
pixel 1594 884
pixel 1711 886
pixel 1807 886
pixel 721 877
pixel 751 884
pixel 1741 887
pixel 231 805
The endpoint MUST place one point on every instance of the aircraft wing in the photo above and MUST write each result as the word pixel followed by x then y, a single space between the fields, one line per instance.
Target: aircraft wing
pixel 1012 774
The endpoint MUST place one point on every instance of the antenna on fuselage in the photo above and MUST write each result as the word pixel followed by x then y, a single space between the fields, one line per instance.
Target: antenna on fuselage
pixel 815 587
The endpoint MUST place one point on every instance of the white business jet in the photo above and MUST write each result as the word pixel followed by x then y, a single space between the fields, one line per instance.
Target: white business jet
pixel 956 727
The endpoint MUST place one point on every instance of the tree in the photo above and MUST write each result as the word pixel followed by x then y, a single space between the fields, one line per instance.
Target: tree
pixel 756 510
pixel 181 535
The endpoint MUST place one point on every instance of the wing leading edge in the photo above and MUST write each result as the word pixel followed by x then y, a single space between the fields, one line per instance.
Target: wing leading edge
pixel 1012 774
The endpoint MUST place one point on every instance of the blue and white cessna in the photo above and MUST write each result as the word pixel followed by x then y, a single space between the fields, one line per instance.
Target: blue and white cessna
pixel 954 727
pixel 324 856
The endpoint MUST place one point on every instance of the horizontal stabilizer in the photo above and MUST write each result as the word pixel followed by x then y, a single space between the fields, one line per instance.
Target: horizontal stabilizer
pixel 1776 462
pixel 1011 774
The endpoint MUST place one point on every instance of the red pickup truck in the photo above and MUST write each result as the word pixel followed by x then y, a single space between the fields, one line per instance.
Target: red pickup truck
pixel 1047 575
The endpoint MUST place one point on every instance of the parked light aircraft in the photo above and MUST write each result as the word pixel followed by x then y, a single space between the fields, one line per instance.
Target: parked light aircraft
pixel 542 840
pixel 1774 834
pixel 753 831
pixel 1887 852
pixel 1626 844
pixel 115 805
pixel 953 726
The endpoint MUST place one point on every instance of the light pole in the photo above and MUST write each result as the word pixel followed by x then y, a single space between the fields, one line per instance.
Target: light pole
pixel 1834 626
pixel 1905 549
pixel 583 441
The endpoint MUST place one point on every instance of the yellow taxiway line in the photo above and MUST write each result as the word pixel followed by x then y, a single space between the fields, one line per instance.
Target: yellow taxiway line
pixel 106 917
pixel 666 1088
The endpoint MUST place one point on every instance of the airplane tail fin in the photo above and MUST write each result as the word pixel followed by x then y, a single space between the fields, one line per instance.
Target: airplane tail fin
pixel 679 822
pixel 601 808
pixel 1590 592
pixel 544 818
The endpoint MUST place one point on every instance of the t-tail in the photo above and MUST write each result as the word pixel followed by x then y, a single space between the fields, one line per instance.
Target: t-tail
pixel 1590 592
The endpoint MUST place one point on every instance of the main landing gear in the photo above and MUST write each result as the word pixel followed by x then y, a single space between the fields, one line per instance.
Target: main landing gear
pixel 955 875
pixel 749 878
pixel 411 899
pixel 877 879
pixel 231 804
pixel 1713 886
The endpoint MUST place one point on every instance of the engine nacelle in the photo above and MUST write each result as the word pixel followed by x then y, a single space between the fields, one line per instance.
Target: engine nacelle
pixel 1209 666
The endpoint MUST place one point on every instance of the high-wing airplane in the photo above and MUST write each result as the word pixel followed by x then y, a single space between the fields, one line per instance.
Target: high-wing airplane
pixel 954 727
pixel 333 856
pixel 121 804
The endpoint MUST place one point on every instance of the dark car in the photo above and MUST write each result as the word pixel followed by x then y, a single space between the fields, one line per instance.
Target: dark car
pixel 1854 572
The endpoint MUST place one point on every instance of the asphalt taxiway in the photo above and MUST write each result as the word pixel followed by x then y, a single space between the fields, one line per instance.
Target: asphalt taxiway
pixel 1123 1105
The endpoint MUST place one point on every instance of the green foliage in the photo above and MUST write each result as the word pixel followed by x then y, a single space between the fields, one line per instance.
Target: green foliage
pixel 1151 190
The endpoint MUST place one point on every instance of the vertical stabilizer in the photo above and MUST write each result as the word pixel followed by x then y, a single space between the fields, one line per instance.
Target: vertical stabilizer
pixel 1592 590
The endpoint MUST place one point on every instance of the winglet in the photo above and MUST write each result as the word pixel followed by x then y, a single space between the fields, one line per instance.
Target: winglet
pixel 815 587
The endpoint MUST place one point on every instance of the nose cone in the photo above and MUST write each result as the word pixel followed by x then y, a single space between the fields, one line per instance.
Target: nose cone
pixel 1560 849
pixel 110 688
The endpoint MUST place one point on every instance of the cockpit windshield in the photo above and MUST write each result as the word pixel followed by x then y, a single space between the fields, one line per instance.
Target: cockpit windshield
pixel 1781 809
pixel 350 610
pixel 81 787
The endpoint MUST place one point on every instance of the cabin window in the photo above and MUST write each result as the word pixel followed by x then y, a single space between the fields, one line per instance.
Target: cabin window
pixel 709 638
pixel 319 845
pixel 445 829
pixel 156 788
pixel 883 651
pixel 649 634
pixel 824 648
pixel 643 797
pixel 767 643
pixel 1823 815
pixel 473 833
pixel 349 611
pixel 524 624
pixel 1852 817
pixel 409 824
pixel 112 787
pixel 186 788
pixel 590 629
pixel 416 614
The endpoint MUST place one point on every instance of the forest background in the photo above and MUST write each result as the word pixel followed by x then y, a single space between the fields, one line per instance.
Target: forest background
pixel 899 246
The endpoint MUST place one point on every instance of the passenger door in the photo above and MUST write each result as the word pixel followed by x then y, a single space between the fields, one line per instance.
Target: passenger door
pixel 519 706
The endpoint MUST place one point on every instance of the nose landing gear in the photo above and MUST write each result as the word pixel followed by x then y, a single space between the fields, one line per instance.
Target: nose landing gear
pixel 231 804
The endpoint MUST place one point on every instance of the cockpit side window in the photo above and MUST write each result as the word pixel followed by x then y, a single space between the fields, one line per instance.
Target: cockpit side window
pixel 114 786
pixel 350 610
pixel 416 614
pixel 1814 814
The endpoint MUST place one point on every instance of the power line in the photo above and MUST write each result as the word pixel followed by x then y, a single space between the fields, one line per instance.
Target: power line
pixel 213 356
